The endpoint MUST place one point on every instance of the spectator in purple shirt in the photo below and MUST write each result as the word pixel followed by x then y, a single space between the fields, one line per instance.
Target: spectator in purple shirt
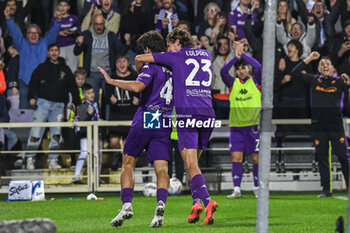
pixel 70 26
pixel 238 16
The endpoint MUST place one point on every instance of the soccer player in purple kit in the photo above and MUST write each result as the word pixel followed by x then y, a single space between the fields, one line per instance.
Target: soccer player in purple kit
pixel 192 80
pixel 245 103
pixel 155 84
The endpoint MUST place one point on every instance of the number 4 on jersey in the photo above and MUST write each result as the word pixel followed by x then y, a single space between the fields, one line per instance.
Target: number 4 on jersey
pixel 167 91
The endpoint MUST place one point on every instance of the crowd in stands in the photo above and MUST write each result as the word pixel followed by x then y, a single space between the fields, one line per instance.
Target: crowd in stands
pixel 49 50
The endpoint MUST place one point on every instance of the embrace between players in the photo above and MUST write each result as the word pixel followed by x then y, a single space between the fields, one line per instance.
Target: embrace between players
pixel 187 87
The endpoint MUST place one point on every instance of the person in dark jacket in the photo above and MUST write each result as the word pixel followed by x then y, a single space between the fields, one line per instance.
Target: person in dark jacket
pixel 88 111
pixel 100 47
pixel 327 91
pixel 50 83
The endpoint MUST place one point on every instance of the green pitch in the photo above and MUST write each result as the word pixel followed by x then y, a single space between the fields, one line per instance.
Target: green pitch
pixel 289 212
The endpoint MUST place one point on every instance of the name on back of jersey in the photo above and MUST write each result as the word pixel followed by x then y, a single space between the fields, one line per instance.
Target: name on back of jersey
pixel 192 53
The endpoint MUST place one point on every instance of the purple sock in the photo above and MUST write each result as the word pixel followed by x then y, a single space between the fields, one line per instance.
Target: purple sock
pixel 126 195
pixel 255 175
pixel 201 188
pixel 162 195
pixel 237 174
pixel 194 193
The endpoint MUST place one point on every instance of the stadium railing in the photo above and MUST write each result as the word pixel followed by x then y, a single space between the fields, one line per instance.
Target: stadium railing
pixel 93 154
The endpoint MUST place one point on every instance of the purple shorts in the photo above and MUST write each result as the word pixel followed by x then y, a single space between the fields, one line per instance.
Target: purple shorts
pixel 244 139
pixel 193 137
pixel 156 142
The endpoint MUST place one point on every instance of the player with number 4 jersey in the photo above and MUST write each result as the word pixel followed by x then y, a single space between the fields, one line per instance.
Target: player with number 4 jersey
pixel 192 80
pixel 245 103
pixel 155 84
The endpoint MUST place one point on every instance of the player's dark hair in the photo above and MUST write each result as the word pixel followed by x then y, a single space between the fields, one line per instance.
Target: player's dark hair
pixel 152 40
pixel 182 35
pixel 53 45
pixel 81 71
pixel 298 45
pixel 86 87
pixel 240 62
pixel 66 1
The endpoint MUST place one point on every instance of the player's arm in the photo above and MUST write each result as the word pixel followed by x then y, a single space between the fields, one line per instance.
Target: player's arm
pixel 134 86
pixel 256 67
pixel 140 59
pixel 226 77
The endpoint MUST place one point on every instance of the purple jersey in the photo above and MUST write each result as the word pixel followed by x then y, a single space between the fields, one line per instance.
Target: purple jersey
pixel 192 80
pixel 237 19
pixel 71 23
pixel 158 94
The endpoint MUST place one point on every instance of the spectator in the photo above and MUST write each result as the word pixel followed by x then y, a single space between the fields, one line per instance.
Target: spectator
pixel 341 51
pixel 284 15
pixel 18 14
pixel 32 50
pixel 219 90
pixel 167 18
pixel 132 26
pixel 70 27
pixel 297 32
pixel 327 90
pixel 12 71
pixel 293 93
pixel 80 77
pixel 100 47
pixel 324 23
pixel 220 27
pixel 51 81
pixel 87 111
pixel 210 12
pixel 123 105
pixel 204 44
pixel 88 4
pixel 238 16
pixel 112 18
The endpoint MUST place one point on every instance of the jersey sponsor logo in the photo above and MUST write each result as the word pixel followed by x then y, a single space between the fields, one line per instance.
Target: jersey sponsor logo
pixel 243 99
pixel 327 89
pixel 198 93
pixel 151 120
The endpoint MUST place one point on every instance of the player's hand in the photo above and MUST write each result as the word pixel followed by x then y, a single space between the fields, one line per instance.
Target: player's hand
pixel 105 75
pixel 135 101
pixel 90 110
pixel 113 99
pixel 80 40
pixel 58 16
pixel 314 56
pixel 14 91
pixel 346 78
pixel 32 102
pixel 239 48
pixel 7 12
pixel 282 64
pixel 286 79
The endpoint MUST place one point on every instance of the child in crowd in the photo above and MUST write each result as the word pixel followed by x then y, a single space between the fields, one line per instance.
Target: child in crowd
pixel 80 77
pixel 87 111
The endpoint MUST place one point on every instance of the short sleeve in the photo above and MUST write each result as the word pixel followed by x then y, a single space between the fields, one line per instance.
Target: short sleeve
pixel 145 75
pixel 165 58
